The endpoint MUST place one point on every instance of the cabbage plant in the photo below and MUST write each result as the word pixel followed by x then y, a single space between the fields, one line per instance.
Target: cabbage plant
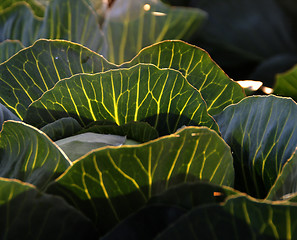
pixel 162 146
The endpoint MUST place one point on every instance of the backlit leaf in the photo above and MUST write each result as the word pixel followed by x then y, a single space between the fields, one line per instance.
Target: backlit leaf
pixel 262 133
pixel 29 155
pixel 34 70
pixel 131 25
pixel 217 89
pixel 163 98
pixel 111 183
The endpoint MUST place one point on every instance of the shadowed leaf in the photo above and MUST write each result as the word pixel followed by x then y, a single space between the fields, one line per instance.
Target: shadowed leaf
pixel 109 184
pixel 22 206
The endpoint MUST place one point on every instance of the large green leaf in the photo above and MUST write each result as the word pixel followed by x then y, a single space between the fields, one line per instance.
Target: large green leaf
pixel 217 89
pixel 131 25
pixel 29 155
pixel 238 218
pixel 163 98
pixel 286 183
pixel 9 48
pixel 27 75
pixel 111 183
pixel 286 83
pixel 25 213
pixel 71 20
pixel 163 210
pixel 262 133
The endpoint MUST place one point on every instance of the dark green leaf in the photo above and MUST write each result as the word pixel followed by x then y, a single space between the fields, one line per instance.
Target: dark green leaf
pixel 163 98
pixel 286 183
pixel 262 133
pixel 131 25
pixel 238 218
pixel 217 89
pixel 139 131
pixel 286 84
pixel 190 195
pixel 62 128
pixel 25 213
pixel 165 209
pixel 111 183
pixel 29 155
pixel 26 76
pixel 71 20
pixel 146 223
pixel 9 48
pixel 5 115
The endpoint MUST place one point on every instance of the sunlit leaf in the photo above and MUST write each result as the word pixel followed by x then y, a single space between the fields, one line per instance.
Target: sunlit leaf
pixel 131 25
pixel 262 133
pixel 109 184
pixel 27 75
pixel 163 98
pixel 238 218
pixel 25 213
pixel 217 89
pixel 9 48
pixel 29 155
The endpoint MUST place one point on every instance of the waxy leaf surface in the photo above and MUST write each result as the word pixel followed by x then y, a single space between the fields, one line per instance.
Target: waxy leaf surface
pixel 262 133
pixel 110 184
pixel 29 155
pixel 163 98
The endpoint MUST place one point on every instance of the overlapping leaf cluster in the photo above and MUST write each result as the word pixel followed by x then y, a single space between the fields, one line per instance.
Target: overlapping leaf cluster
pixel 188 136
